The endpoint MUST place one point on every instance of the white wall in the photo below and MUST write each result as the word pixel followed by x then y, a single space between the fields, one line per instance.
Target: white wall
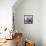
pixel 6 13
pixel 43 22
pixel 31 31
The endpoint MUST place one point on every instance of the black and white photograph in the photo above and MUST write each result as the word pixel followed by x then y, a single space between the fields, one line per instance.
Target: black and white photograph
pixel 28 19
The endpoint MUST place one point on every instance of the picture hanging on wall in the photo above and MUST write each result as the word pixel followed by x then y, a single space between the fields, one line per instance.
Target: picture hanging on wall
pixel 28 19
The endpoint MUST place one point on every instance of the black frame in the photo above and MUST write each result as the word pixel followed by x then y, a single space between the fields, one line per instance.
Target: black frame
pixel 30 21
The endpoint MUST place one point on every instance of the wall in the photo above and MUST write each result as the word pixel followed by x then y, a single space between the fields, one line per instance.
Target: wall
pixel 43 22
pixel 30 31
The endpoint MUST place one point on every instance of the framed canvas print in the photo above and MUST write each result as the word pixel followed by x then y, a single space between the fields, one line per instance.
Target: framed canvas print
pixel 28 19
